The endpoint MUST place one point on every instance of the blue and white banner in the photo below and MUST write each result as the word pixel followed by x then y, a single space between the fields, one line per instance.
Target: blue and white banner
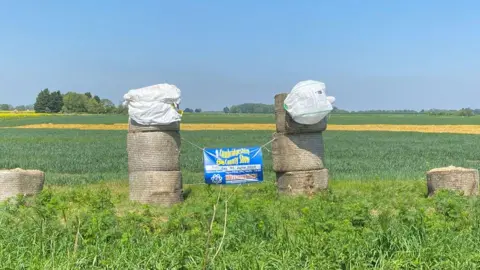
pixel 233 165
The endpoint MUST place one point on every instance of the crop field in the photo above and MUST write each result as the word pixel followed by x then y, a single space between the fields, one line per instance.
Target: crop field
pixel 375 213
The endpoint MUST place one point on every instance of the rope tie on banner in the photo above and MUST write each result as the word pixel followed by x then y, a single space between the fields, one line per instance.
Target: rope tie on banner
pixel 263 146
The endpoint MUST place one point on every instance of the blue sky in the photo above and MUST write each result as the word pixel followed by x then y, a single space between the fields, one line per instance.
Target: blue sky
pixel 370 54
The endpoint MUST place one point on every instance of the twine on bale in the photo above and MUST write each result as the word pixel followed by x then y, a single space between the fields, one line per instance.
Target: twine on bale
pixel 302 182
pixel 453 178
pixel 285 123
pixel 133 127
pixel 18 181
pixel 297 152
pixel 153 151
pixel 156 187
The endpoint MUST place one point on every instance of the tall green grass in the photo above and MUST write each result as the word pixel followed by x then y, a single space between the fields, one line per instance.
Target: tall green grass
pixel 80 157
pixel 376 224
pixel 343 119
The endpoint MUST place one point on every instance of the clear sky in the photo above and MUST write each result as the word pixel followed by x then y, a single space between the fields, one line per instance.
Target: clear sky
pixel 411 54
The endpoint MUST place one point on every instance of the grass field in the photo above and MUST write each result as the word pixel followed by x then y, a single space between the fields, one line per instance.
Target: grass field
pixel 374 215
pixel 204 118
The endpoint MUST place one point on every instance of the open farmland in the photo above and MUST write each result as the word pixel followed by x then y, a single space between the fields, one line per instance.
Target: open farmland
pixel 375 213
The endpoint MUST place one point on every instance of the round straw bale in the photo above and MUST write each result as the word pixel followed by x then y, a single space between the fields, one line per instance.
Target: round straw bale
pixel 302 182
pixel 163 188
pixel 297 152
pixel 133 126
pixel 453 178
pixel 18 181
pixel 153 151
pixel 285 123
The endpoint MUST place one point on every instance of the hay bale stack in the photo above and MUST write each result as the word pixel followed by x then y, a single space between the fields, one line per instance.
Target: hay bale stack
pixel 154 164
pixel 18 181
pixel 302 182
pixel 156 187
pixel 298 154
pixel 153 151
pixel 453 178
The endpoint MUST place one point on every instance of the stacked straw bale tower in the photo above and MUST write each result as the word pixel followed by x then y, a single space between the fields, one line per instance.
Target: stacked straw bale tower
pixel 153 163
pixel 298 154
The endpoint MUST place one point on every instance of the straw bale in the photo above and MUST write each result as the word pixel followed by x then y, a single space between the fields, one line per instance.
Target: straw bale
pixel 153 151
pixel 302 182
pixel 133 126
pixel 297 152
pixel 162 188
pixel 285 123
pixel 18 181
pixel 453 178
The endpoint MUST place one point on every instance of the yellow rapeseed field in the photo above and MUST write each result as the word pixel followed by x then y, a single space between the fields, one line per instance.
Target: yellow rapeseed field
pixel 459 129
pixel 16 115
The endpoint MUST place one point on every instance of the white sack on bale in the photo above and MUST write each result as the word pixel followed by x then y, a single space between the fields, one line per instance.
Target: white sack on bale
pixel 154 105
pixel 285 124
pixel 308 103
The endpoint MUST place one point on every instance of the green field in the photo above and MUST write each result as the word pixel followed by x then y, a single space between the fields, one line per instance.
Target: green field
pixel 343 119
pixel 375 213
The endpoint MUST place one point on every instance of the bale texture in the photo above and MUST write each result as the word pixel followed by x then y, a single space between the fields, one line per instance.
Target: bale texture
pixel 297 152
pixel 136 127
pixel 18 181
pixel 453 178
pixel 302 182
pixel 285 123
pixel 153 151
pixel 163 188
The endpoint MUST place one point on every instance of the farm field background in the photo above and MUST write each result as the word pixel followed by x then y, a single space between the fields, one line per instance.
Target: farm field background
pixel 374 215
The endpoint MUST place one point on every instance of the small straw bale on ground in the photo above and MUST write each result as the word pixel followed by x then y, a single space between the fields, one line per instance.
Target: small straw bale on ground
pixel 453 178
pixel 285 124
pixel 302 182
pixel 17 181
pixel 153 151
pixel 297 152
pixel 162 188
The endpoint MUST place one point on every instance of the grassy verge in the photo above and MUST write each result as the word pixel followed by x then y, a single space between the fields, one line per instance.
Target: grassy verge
pixel 353 225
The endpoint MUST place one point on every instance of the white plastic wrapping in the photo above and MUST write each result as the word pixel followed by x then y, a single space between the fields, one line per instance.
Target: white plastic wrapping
pixel 308 103
pixel 154 105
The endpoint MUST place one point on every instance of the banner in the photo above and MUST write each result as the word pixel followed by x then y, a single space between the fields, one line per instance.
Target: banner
pixel 233 165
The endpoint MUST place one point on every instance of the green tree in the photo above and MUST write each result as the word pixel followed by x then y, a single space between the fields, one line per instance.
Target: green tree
pixel 21 108
pixel 226 110
pixel 42 101
pixel 198 110
pixel 88 95
pixel 97 98
pixel 55 102
pixel 122 109
pixel 107 105
pixel 188 110
pixel 94 107
pixel 5 107
pixel 74 103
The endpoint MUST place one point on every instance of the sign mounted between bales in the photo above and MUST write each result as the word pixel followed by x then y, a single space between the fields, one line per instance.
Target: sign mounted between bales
pixel 233 165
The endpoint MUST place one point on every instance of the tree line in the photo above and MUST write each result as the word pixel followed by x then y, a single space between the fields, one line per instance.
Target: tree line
pixel 72 102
